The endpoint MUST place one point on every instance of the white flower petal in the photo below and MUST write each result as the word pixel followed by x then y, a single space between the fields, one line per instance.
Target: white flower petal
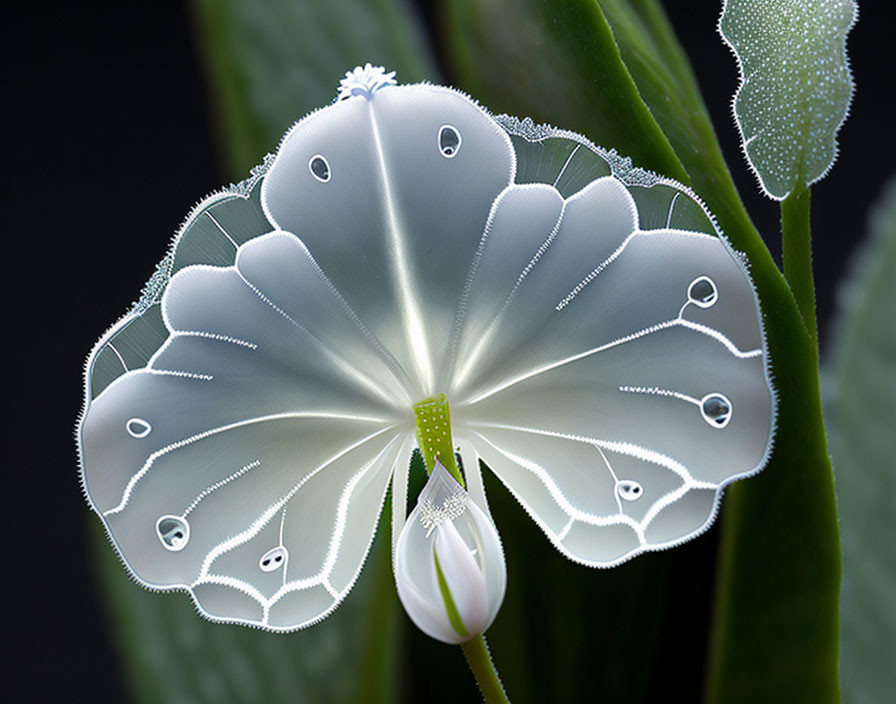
pixel 447 524
pixel 464 578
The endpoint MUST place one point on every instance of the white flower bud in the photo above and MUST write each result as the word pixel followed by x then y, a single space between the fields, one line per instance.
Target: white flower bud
pixel 449 565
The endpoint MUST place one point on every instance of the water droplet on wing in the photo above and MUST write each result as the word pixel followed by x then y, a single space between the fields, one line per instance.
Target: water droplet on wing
pixel 702 292
pixel 138 428
pixel 273 559
pixel 716 410
pixel 173 532
pixel 320 168
pixel 449 141
pixel 629 490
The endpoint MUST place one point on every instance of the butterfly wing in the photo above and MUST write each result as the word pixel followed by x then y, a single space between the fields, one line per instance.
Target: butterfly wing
pixel 287 347
pixel 411 175
pixel 600 343
pixel 210 235
pixel 248 460
pixel 391 195
pixel 615 376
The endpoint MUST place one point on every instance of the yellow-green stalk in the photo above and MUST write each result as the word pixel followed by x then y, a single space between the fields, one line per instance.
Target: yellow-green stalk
pixel 433 419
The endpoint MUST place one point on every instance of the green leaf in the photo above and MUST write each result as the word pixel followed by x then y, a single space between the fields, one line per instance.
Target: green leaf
pixel 763 596
pixel 667 84
pixel 862 416
pixel 273 62
pixel 555 62
pixel 774 635
pixel 795 86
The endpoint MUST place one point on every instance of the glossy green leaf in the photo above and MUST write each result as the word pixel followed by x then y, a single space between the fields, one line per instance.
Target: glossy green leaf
pixel 763 596
pixel 271 63
pixel 667 84
pixel 774 635
pixel 862 416
pixel 795 86
pixel 555 62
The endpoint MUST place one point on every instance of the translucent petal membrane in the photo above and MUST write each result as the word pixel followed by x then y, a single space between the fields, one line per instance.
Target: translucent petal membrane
pixel 612 370
pixel 397 225
pixel 599 342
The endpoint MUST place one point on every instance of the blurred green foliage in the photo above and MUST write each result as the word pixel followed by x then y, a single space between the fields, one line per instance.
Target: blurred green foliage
pixel 271 63
pixel 861 417
pixel 614 71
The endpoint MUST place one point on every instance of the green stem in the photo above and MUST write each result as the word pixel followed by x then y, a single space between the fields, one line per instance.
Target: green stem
pixel 797 255
pixel 480 662
pixel 433 420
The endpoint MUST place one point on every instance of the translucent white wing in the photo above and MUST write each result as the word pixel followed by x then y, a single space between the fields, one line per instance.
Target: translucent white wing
pixel 211 235
pixel 391 195
pixel 600 345
pixel 289 353
pixel 612 371
pixel 248 461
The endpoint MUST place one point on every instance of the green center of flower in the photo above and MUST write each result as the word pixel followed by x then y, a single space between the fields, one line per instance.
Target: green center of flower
pixel 433 419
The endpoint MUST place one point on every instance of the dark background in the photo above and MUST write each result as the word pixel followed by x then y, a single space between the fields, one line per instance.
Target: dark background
pixel 113 143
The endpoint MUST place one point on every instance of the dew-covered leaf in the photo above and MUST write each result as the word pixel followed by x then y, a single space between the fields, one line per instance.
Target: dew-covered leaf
pixel 861 417
pixel 795 85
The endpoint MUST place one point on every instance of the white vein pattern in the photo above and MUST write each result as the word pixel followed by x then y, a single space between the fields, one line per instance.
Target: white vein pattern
pixel 611 373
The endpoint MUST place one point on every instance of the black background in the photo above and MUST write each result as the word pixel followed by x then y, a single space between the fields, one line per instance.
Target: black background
pixel 111 145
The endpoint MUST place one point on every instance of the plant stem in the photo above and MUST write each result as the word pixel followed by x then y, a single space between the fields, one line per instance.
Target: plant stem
pixel 433 419
pixel 797 255
pixel 480 662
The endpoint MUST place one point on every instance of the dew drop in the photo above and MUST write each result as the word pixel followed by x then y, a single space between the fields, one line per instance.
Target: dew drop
pixel 629 490
pixel 702 292
pixel 138 428
pixel 173 532
pixel 716 410
pixel 320 168
pixel 273 559
pixel 449 141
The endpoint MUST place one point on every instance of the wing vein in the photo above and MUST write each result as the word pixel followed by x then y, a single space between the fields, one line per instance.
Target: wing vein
pixel 343 364
pixel 697 327
pixel 132 482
